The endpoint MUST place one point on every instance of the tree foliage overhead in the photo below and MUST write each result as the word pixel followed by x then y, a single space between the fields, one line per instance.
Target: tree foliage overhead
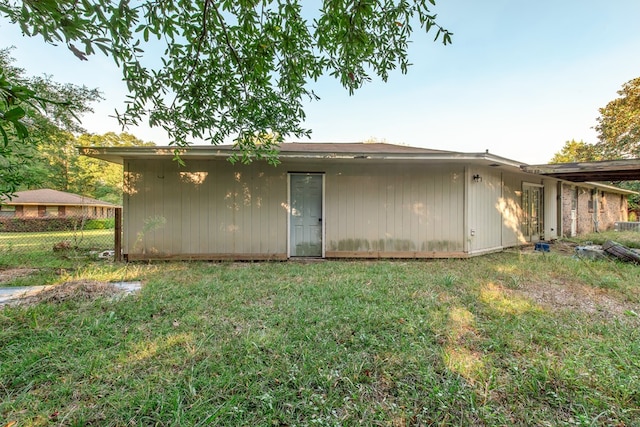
pixel 34 110
pixel 239 69
pixel 577 151
pixel 618 136
pixel 619 123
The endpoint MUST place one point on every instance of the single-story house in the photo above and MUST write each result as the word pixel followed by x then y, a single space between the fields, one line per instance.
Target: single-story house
pixel 47 203
pixel 348 200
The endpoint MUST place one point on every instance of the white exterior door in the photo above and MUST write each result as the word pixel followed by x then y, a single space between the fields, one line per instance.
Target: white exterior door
pixel 305 215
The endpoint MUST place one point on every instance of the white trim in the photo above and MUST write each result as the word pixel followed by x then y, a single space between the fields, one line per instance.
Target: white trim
pixel 288 210
pixel 532 184
pixel 466 237
pixel 323 217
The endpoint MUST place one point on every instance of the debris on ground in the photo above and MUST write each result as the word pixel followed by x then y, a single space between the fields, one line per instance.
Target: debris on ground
pixel 65 245
pixel 78 290
pixel 11 274
pixel 621 252
pixel 590 252
pixel 106 254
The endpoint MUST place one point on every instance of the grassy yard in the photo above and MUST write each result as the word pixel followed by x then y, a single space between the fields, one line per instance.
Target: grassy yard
pixel 517 338
pixel 44 241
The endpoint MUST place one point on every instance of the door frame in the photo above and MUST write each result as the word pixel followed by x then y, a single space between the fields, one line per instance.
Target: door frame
pixel 530 237
pixel 324 222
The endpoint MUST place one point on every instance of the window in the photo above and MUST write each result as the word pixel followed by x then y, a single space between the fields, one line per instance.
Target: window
pixel 591 200
pixel 51 211
pixel 7 210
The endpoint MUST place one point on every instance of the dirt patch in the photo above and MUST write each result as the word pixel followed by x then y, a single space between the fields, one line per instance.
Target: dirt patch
pixel 80 290
pixel 556 246
pixel 11 274
pixel 578 297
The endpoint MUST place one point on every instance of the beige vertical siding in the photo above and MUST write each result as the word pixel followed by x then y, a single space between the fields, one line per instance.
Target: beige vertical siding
pixel 394 210
pixel 484 216
pixel 207 209
pixel 510 207
pixel 495 215
pixel 212 209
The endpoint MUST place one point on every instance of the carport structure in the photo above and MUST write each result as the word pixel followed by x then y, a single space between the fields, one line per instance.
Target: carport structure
pixel 590 205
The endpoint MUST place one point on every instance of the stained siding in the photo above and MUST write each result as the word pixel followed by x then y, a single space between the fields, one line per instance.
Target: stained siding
pixel 386 209
pixel 208 207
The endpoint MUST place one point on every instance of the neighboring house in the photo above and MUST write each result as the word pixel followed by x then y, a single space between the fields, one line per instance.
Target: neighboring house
pixel 53 203
pixel 330 200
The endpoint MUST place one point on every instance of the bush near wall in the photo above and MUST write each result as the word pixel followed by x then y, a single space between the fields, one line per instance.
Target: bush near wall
pixel 21 225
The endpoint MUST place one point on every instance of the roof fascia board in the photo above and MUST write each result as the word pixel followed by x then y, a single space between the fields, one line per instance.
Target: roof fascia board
pixel 113 153
pixel 609 188
pixel 566 168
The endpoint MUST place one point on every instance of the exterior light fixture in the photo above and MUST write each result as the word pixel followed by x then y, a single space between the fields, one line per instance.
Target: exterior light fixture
pixel 477 178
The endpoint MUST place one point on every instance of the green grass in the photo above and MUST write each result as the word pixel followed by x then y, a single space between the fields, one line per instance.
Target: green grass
pixel 39 241
pixel 627 238
pixel 445 342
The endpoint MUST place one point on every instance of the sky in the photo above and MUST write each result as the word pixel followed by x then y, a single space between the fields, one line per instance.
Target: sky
pixel 520 79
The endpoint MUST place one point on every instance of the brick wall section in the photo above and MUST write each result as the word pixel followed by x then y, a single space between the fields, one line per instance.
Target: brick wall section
pixel 585 218
pixel 614 208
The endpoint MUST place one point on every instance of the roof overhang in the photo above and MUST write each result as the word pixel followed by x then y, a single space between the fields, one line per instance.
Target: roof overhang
pixel 120 154
pixel 611 170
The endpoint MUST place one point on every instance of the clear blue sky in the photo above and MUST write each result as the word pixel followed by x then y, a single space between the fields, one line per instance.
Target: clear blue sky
pixel 520 79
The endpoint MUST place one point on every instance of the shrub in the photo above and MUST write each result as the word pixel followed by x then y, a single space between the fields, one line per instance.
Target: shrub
pixel 100 224
pixel 21 225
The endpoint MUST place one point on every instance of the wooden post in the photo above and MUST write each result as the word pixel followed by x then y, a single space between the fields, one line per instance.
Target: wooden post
pixel 118 234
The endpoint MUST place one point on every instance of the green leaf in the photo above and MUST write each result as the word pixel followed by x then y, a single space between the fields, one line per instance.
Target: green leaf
pixel 21 130
pixel 5 137
pixel 14 114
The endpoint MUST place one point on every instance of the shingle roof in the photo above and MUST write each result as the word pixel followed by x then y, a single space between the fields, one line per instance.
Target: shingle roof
pixel 47 196
pixel 323 151
pixel 354 147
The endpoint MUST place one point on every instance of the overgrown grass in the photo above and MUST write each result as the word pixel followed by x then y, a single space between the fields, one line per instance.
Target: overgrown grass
pixel 627 238
pixel 446 342
pixel 44 241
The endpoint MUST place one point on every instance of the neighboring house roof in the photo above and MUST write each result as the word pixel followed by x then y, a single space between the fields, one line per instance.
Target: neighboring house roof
pixel 610 170
pixel 47 196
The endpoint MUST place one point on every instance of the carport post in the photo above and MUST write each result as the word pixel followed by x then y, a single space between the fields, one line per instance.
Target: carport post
pixel 118 235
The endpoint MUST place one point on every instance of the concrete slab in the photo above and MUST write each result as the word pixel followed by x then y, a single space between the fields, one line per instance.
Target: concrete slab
pixel 12 294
